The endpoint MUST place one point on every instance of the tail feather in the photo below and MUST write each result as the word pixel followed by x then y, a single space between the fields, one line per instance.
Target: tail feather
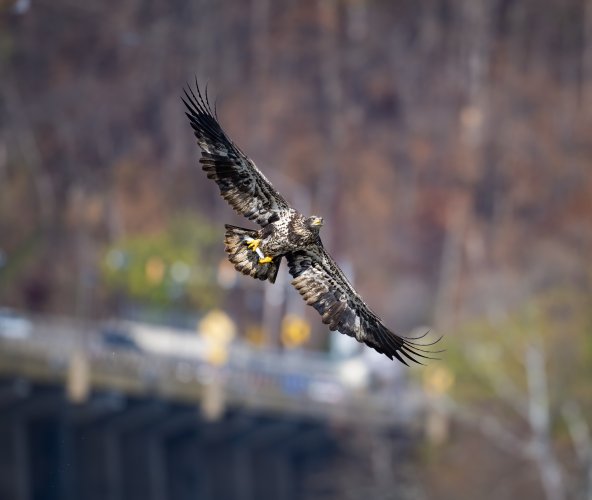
pixel 245 260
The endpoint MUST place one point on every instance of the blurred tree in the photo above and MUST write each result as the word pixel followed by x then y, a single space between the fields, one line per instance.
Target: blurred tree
pixel 408 124
pixel 522 380
pixel 172 266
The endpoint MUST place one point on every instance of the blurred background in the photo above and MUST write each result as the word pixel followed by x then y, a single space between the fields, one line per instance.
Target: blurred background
pixel 448 147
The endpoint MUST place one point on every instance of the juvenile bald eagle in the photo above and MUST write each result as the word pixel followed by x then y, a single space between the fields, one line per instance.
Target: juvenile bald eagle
pixel 286 233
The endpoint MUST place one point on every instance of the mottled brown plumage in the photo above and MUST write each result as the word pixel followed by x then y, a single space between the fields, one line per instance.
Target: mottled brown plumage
pixel 286 233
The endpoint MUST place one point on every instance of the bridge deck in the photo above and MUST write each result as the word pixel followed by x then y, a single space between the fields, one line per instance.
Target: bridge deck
pixel 263 382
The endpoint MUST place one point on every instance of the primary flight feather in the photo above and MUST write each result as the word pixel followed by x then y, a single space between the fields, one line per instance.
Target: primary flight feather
pixel 286 233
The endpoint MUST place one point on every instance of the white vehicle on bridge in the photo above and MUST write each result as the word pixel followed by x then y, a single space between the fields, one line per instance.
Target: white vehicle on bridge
pixel 13 325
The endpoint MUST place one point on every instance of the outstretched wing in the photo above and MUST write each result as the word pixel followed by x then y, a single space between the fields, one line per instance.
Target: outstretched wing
pixel 240 181
pixel 323 285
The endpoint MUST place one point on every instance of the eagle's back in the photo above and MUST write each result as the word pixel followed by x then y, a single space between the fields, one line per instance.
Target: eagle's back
pixel 287 234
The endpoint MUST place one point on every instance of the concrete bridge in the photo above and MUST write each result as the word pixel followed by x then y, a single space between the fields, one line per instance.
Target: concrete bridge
pixel 82 420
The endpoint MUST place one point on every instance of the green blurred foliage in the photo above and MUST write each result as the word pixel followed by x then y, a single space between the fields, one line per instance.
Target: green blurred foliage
pixel 487 355
pixel 173 266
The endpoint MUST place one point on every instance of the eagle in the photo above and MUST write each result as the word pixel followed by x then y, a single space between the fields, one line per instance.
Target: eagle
pixel 285 232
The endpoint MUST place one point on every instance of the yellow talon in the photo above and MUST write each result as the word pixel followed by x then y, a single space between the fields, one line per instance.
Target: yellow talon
pixel 265 260
pixel 253 245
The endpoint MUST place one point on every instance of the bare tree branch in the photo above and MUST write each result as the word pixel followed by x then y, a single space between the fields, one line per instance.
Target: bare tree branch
pixel 579 431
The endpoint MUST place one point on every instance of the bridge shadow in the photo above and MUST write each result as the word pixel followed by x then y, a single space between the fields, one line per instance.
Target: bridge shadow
pixel 116 447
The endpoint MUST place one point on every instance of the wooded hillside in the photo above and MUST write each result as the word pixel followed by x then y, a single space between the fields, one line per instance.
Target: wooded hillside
pixel 448 141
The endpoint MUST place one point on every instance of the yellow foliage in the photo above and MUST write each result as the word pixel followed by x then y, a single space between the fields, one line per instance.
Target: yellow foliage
pixel 155 270
pixel 437 380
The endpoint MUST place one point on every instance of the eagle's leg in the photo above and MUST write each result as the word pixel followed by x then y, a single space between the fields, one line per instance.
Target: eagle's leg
pixel 253 244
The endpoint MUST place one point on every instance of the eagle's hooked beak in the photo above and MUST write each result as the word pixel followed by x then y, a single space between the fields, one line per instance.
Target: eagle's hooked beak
pixel 318 221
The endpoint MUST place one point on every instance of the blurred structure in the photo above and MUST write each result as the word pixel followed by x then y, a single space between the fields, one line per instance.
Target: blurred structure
pixel 140 423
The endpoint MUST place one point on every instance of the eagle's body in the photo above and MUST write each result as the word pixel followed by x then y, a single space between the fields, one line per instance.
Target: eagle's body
pixel 284 232
pixel 289 233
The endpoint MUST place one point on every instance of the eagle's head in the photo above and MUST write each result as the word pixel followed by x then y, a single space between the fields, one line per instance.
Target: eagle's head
pixel 314 223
